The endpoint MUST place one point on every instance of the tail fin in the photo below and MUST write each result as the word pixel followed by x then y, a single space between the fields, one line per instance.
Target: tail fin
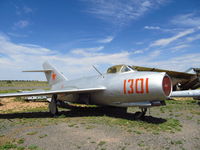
pixel 189 69
pixel 52 74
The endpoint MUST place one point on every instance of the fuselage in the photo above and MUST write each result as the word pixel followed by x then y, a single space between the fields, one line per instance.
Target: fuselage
pixel 124 87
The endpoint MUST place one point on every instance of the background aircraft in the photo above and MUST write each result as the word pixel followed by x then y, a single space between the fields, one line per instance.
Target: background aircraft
pixel 180 80
pixel 120 87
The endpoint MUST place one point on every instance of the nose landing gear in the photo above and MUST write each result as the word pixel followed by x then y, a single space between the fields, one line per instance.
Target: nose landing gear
pixel 140 114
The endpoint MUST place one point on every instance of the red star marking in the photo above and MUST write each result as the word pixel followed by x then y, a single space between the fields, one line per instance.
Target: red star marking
pixel 53 76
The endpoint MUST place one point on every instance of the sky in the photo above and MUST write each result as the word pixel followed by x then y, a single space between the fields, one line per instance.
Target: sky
pixel 73 35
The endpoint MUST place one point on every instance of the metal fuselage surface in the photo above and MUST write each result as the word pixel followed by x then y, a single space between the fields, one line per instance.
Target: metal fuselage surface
pixel 119 88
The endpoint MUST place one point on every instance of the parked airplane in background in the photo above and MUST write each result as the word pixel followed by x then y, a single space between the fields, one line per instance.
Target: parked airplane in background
pixel 119 87
pixel 180 80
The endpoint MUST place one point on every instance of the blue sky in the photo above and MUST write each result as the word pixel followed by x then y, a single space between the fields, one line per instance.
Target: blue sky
pixel 76 34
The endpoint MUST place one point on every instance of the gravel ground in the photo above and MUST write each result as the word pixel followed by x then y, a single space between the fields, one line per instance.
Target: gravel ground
pixel 175 126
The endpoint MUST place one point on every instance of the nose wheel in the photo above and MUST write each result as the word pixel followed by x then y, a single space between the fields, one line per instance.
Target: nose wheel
pixel 53 109
pixel 140 114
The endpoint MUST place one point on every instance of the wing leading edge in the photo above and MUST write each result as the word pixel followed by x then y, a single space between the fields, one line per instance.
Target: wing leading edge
pixel 50 92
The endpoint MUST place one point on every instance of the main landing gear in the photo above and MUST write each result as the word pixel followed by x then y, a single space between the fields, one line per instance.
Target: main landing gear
pixel 53 109
pixel 140 114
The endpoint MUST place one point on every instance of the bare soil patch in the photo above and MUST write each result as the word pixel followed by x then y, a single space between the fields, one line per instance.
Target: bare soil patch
pixel 11 104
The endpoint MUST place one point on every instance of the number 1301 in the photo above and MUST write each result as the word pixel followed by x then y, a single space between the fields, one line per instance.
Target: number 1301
pixel 139 86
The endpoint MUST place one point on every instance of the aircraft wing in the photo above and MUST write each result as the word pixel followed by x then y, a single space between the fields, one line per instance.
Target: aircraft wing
pixel 186 93
pixel 173 74
pixel 50 92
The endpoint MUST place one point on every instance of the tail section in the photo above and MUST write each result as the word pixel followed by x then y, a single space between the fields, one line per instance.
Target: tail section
pixel 52 74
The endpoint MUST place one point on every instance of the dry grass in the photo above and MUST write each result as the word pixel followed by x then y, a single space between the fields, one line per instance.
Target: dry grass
pixel 183 98
pixel 10 83
pixel 10 105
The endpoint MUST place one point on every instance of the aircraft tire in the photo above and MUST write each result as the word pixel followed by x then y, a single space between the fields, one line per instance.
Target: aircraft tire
pixel 53 109
pixel 140 114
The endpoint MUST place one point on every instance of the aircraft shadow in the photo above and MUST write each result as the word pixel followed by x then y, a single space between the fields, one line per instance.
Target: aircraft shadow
pixel 83 112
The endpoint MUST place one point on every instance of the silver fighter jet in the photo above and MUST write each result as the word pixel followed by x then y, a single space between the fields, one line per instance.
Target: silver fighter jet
pixel 120 87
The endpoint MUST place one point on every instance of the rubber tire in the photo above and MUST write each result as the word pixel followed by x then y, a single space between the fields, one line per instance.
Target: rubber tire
pixel 53 109
pixel 140 114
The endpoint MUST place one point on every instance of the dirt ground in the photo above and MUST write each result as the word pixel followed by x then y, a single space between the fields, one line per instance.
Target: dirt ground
pixel 13 104
pixel 28 125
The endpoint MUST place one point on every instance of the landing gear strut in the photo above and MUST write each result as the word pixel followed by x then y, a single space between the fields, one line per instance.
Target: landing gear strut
pixel 53 109
pixel 139 115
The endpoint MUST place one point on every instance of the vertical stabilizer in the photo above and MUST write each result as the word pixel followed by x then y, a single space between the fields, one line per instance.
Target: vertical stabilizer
pixel 53 75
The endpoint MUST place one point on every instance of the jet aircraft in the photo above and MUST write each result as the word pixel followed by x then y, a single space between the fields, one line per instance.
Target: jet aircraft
pixel 180 80
pixel 121 87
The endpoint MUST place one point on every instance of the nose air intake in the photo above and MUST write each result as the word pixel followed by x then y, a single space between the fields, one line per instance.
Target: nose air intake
pixel 167 85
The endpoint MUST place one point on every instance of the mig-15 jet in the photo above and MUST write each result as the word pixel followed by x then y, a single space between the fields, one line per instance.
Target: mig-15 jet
pixel 121 87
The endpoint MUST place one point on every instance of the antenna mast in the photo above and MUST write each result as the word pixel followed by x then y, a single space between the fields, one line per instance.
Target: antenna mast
pixel 97 71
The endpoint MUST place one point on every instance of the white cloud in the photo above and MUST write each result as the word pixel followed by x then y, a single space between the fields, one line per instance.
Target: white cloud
pixel 193 38
pixel 120 11
pixel 9 48
pixel 154 54
pixel 152 27
pixel 178 63
pixel 137 52
pixel 17 35
pixel 106 40
pixel 115 58
pixel 27 9
pixel 139 43
pixel 166 41
pixel 23 10
pixel 86 51
pixel 179 47
pixel 17 57
pixel 22 24
pixel 190 19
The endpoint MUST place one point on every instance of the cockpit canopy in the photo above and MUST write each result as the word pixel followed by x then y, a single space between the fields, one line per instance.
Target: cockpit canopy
pixel 120 69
